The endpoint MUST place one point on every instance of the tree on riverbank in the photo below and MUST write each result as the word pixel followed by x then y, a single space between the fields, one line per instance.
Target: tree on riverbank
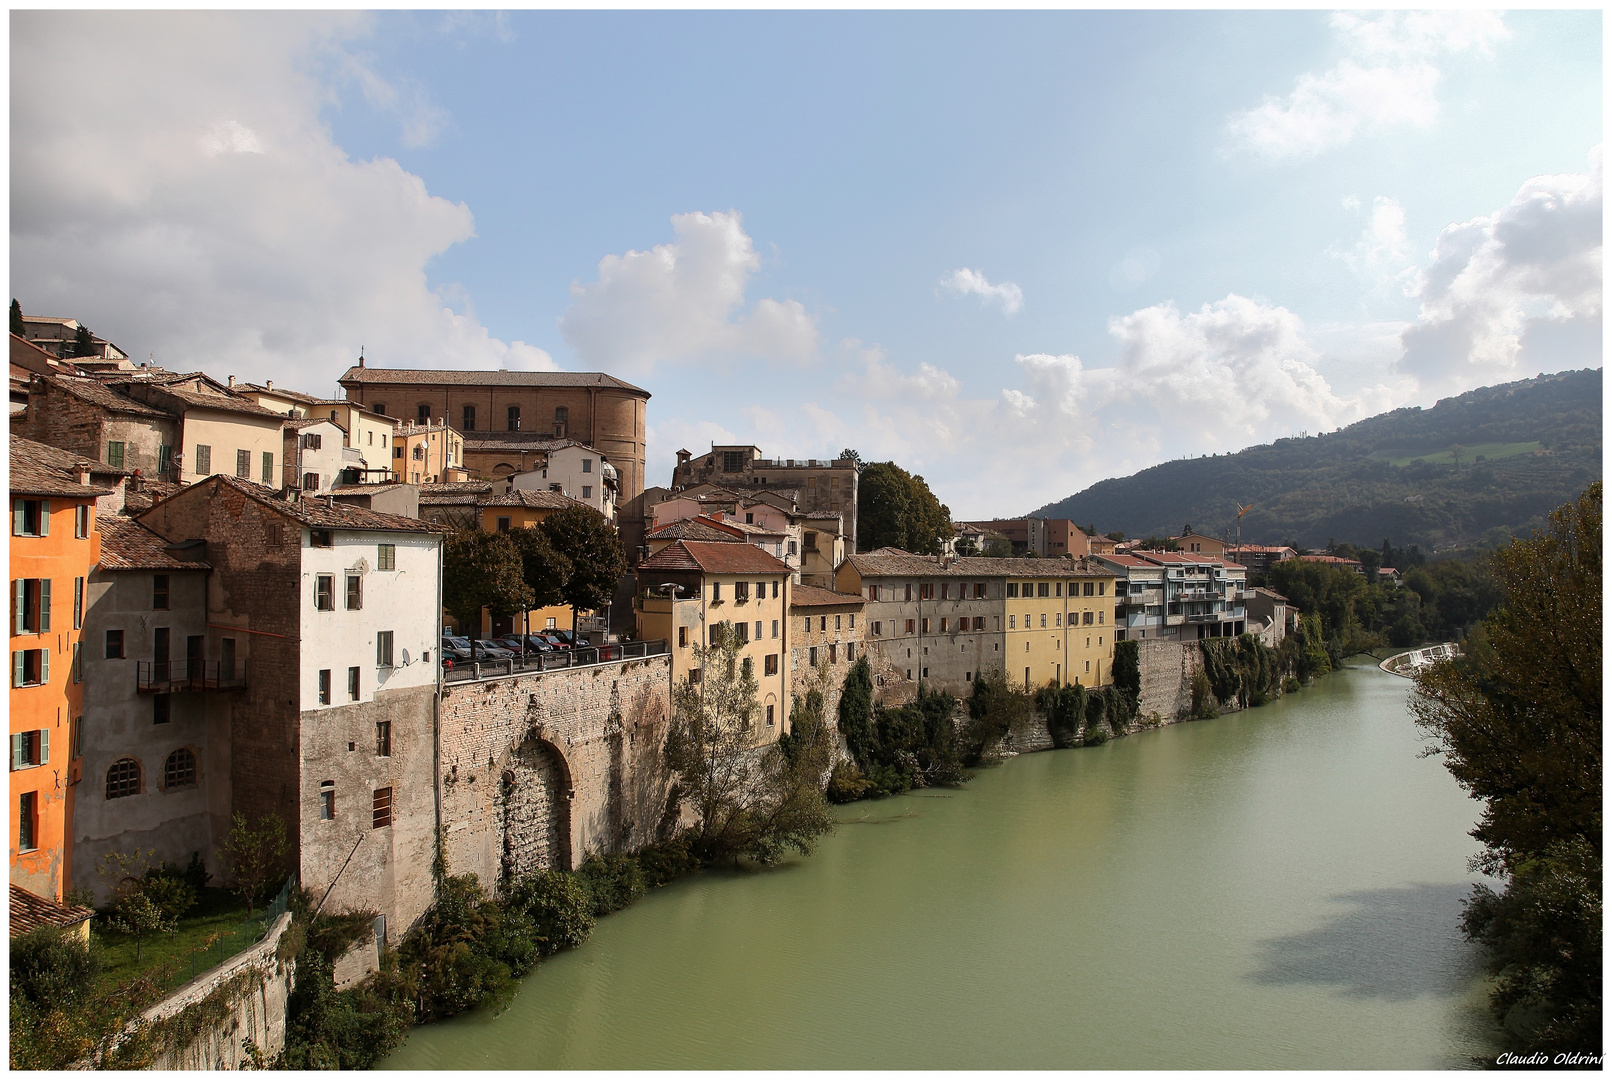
pixel 1517 721
pixel 749 799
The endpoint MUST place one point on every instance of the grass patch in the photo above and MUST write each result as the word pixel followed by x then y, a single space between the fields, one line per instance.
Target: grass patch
pixel 218 914
pixel 1469 454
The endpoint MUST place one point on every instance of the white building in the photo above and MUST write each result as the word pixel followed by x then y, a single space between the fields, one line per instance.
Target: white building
pixel 317 457
pixel 575 470
pixel 1177 596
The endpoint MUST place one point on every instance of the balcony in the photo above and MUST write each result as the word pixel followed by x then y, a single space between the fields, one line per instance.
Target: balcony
pixel 182 676
pixel 559 660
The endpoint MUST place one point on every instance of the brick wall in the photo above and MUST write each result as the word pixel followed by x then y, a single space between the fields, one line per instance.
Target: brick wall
pixel 545 769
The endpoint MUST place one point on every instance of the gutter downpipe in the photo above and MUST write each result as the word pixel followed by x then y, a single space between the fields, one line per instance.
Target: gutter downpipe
pixel 436 716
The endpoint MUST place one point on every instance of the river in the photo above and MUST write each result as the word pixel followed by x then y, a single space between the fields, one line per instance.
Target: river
pixel 1278 888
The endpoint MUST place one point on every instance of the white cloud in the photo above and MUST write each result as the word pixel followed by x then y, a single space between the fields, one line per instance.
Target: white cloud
pixel 1381 257
pixel 684 301
pixel 1388 78
pixel 1008 296
pixel 181 195
pixel 1528 273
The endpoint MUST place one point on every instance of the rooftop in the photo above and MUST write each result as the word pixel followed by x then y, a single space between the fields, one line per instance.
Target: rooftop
pixel 37 469
pixel 714 558
pixel 437 376
pixel 128 545
pixel 532 500
pixel 695 529
pixel 903 564
pixel 812 596
pixel 317 513
pixel 98 393
pixel 308 421
pixel 31 912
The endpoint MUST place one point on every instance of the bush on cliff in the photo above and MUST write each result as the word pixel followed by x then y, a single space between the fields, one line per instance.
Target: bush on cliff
pixel 612 882
pixel 1064 707
pixel 1128 666
pixel 994 709
pixel 468 950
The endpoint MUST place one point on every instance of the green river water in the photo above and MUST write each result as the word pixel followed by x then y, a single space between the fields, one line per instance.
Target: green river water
pixel 1277 888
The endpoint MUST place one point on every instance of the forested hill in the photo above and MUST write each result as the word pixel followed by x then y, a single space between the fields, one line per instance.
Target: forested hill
pixel 1470 470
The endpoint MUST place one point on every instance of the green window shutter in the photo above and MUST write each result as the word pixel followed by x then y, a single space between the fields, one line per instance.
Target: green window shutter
pixel 17 517
pixel 44 746
pixel 44 604
pixel 44 667
pixel 16 668
pixel 19 605
pixel 44 517
pixel 16 752
pixel 114 454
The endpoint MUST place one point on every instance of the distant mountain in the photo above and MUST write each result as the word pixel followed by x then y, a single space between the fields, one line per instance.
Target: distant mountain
pixel 1473 469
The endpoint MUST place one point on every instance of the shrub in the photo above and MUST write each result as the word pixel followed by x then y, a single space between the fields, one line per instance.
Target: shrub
pixel 666 862
pixel 328 1028
pixel 1128 666
pixel 1203 697
pixel 50 968
pixel 468 950
pixel 994 709
pixel 1096 734
pixel 847 784
pixel 612 882
pixel 1063 706
pixel 559 907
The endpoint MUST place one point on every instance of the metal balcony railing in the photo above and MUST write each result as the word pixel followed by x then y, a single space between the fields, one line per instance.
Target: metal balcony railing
pixel 559 660
pixel 179 676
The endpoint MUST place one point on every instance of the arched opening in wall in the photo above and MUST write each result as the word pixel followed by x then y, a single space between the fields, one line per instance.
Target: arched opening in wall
pixel 503 468
pixel 537 810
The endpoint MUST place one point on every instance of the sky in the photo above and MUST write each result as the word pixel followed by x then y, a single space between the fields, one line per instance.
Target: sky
pixel 1016 253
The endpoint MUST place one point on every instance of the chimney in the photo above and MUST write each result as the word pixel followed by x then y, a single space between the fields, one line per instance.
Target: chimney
pixel 268 384
pixel 82 470
pixel 232 382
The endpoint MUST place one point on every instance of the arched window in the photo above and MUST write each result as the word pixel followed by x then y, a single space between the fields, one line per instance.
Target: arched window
pixel 378 408
pixel 180 769
pixel 562 417
pixel 423 411
pixel 123 778
pixel 503 468
pixel 514 418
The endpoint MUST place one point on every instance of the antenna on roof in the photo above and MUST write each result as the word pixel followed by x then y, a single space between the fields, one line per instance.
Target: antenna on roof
pixel 361 356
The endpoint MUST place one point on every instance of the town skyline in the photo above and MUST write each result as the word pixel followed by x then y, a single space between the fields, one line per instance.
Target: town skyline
pixel 1150 251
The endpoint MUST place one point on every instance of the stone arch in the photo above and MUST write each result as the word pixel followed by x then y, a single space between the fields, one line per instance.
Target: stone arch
pixel 536 796
pixel 503 468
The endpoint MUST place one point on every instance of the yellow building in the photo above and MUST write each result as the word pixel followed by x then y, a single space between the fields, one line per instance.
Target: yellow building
pixel 1057 629
pixel 691 586
pixel 369 433
pixel 429 453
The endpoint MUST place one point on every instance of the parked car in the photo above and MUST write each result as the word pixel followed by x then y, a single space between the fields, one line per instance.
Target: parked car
pixel 455 648
pixel 491 650
pixel 566 637
pixel 532 643
pixel 553 640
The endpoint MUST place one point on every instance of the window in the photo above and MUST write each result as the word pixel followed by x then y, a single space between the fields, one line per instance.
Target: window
pixel 114 454
pixel 682 637
pixel 179 770
pixel 243 464
pixel 327 800
pixel 587 491
pixel 741 591
pixel 744 632
pixel 422 413
pixel 30 749
pixel 1013 622
pixel 1090 589
pixel 850 652
pixel 114 645
pixel 979 622
pixel 31 605
pixel 811 656
pixel 312 440
pixel 320 538
pixel 775 590
pixel 587 467
pixel 81 521
pixel 78 603
pixel 775 628
pixel 419 451
pixel 1100 618
pixel 1057 590
pixel 383 737
pixel 716 592
pixel 926 626
pixel 562 417
pixel 322 589
pixel 503 524
pixel 161 707
pixel 943 625
pixel 75 737
pixel 310 481
pixel 386 557
pixel 159 592
pixel 694 677
pixel 822 623
pixel 30 667
pixel 30 517
pixel 27 821
pixel 1102 587
pixel 324 686
pixel 833 653
pixel 733 461
pixel 1043 620
pixel 1057 618
pixel 758 629
pixel 837 622
pixel 769 715
pixel 381 808
pixel 1043 589
pixel 878 629
pixel 467 420
pixel 378 408
pixel 771 665
pixel 353 693
pixel 78 661
pixel 513 418
pixel 909 593
pixel 1013 589
pixel 383 648
pixel 123 779
pixel 355 592
pixel 926 591
pixel 910 625
pixel 1086 618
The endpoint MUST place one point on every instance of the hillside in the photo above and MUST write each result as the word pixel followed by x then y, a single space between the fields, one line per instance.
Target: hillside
pixel 1525 448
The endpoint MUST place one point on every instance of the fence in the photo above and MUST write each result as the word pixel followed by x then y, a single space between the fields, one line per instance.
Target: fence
pixel 232 941
pixel 558 660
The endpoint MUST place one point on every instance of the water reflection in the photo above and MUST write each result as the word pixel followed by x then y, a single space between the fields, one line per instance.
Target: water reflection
pixel 1394 944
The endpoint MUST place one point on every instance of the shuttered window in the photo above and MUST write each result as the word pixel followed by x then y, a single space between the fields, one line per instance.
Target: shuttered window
pixel 381 809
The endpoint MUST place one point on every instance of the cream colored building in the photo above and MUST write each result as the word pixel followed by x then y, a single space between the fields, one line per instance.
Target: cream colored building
pixel 220 431
pixel 429 453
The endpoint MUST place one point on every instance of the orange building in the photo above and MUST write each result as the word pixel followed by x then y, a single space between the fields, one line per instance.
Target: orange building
pixel 524 509
pixel 53 548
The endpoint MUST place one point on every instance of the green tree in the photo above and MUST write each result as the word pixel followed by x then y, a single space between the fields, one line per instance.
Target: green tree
pixel 586 539
pixel 998 547
pixel 482 570
pixel 749 799
pixel 1517 721
pixel 543 568
pixel 16 317
pixel 896 509
pixel 1128 666
pixel 83 343
pixel 254 852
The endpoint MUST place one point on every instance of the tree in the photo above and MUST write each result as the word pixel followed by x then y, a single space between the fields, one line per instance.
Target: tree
pixel 83 342
pixel 748 799
pixel 16 317
pixel 966 546
pixel 543 568
pixel 1517 721
pixel 586 539
pixel 255 854
pixel 998 547
pixel 482 570
pixel 896 509
pixel 852 455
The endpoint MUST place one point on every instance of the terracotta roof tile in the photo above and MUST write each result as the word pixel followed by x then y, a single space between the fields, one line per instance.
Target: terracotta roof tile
pixel 715 558
pixel 37 469
pixel 532 500
pixel 812 596
pixel 30 912
pixel 436 376
pixel 317 514
pixel 98 393
pixel 905 565
pixel 695 529
pixel 128 545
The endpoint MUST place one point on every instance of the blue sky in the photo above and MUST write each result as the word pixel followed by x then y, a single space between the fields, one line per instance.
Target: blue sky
pixel 1018 253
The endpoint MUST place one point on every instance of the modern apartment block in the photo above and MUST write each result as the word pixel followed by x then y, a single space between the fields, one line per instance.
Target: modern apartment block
pixel 819 486
pixel 53 548
pixel 597 409
pixel 941 621
pixel 1177 596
